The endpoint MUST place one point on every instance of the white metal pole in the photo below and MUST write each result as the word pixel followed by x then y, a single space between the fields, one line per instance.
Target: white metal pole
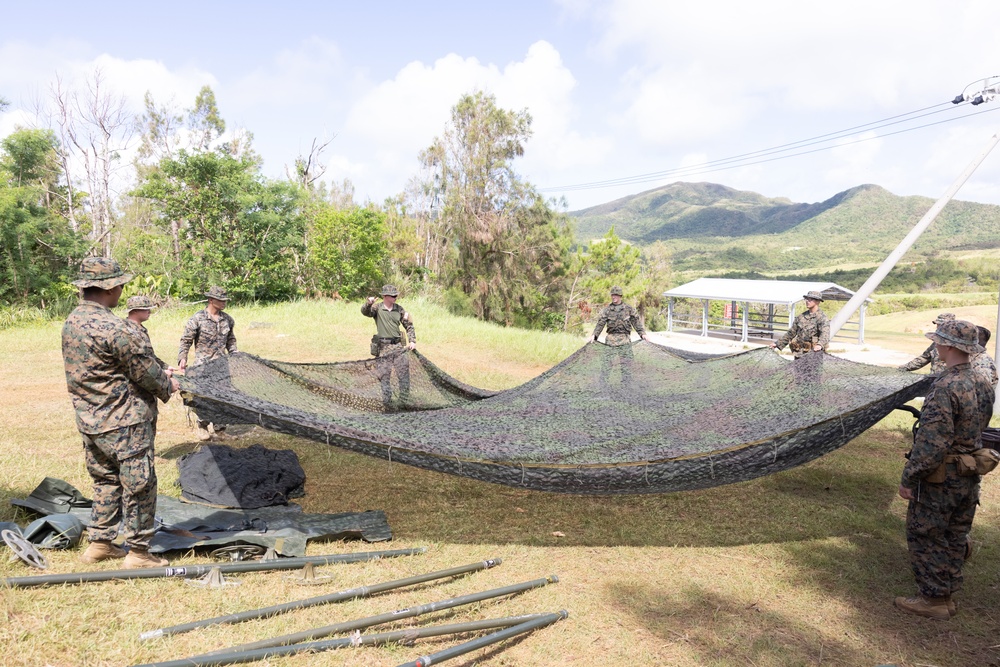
pixel 996 352
pixel 880 273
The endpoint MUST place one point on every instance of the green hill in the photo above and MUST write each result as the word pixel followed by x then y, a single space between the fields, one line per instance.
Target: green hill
pixel 710 226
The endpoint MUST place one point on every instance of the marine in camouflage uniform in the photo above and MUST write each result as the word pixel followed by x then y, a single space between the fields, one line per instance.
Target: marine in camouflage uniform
pixel 104 376
pixel 940 513
pixel 137 310
pixel 388 347
pixel 811 330
pixel 982 362
pixel 210 331
pixel 619 318
pixel 930 355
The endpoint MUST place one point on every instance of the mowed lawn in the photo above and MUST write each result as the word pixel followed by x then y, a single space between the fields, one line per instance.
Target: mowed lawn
pixel 798 568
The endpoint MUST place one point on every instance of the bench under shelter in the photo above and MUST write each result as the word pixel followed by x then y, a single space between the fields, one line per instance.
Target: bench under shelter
pixel 752 310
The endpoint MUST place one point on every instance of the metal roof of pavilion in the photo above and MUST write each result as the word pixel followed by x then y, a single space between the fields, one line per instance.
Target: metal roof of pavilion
pixel 757 291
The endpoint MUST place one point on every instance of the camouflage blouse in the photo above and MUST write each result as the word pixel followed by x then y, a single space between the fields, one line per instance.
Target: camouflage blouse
pixel 808 329
pixel 983 364
pixel 211 338
pixel 105 373
pixel 928 356
pixel 620 319
pixel 388 320
pixel 956 410
pixel 142 345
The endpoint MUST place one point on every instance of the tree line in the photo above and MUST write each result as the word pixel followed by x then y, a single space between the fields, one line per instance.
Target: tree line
pixel 183 203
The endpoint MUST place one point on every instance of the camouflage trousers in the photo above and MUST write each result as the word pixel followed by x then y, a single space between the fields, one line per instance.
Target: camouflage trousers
pixel 938 522
pixel 393 359
pixel 120 463
pixel 617 354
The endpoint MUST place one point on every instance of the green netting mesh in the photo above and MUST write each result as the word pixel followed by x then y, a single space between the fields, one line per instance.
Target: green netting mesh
pixel 637 419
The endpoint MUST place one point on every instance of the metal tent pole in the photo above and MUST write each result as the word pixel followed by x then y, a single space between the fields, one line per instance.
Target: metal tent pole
pixel 880 273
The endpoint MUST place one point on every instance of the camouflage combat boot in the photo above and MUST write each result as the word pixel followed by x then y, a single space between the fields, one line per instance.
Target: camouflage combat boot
pixel 140 558
pixel 936 608
pixel 99 550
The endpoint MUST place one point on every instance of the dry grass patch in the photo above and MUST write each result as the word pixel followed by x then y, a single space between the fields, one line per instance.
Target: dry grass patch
pixel 798 568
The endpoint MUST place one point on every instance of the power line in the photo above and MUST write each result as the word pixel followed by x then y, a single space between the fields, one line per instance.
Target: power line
pixel 823 138
pixel 748 159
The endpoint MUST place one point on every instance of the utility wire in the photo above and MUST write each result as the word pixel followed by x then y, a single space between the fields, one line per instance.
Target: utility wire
pixel 825 138
pixel 830 136
pixel 748 159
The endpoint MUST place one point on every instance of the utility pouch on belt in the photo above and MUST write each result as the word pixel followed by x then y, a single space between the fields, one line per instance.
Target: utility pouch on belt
pixel 374 348
pixel 979 462
pixel 985 461
pixel 939 474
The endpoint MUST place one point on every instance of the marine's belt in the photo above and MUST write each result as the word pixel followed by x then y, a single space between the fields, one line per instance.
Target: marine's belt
pixel 390 340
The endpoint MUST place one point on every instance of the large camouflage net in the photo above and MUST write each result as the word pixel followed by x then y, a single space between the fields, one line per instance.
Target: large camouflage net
pixel 637 419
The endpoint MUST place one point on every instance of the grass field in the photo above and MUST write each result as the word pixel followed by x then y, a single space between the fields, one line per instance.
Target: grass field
pixel 798 568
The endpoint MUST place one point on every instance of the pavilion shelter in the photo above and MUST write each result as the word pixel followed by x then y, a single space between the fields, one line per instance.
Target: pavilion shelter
pixel 752 310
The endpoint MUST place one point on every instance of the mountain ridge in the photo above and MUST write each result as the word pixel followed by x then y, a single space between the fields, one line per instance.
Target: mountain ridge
pixel 709 226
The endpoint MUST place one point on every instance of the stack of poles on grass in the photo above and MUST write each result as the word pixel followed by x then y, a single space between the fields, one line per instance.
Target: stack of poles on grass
pixel 306 641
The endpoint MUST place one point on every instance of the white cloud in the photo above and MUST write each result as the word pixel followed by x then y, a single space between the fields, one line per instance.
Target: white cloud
pixel 400 117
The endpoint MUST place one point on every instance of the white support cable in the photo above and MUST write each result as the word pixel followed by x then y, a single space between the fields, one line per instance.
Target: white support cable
pixel 887 265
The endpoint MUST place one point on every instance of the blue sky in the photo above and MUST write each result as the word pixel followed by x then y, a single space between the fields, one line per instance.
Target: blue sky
pixel 616 88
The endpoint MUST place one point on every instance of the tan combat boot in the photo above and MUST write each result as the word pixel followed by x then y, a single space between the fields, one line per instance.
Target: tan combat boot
pixel 140 558
pixel 936 608
pixel 99 550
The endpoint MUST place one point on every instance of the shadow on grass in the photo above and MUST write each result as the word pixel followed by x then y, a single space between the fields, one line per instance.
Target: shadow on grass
pixel 867 572
pixel 833 498
pixel 721 630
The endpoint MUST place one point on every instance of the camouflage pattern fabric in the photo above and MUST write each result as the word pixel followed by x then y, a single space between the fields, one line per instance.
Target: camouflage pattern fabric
pixel 939 517
pixel 142 346
pixel 393 359
pixel 681 421
pixel 928 356
pixel 104 374
pixel 620 319
pixel 620 361
pixel 982 363
pixel 211 338
pixel 120 462
pixel 389 320
pixel 807 330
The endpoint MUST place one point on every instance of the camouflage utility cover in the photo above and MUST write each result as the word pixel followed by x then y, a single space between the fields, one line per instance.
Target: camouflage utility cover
pixel 680 420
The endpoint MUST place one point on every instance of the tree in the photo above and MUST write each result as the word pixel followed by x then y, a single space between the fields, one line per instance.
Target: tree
pixel 347 251
pixel 503 240
pixel 37 248
pixel 308 168
pixel 204 120
pixel 238 229
pixel 99 126
pixel 606 263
